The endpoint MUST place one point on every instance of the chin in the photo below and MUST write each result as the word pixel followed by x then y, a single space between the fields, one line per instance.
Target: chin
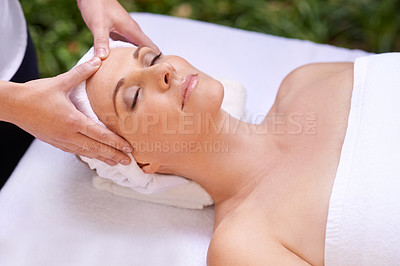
pixel 210 96
pixel 216 96
pixel 219 94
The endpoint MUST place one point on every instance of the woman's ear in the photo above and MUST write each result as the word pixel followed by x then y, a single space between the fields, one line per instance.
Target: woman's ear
pixel 150 168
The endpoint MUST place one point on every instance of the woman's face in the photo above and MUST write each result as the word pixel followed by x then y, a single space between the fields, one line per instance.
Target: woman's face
pixel 155 102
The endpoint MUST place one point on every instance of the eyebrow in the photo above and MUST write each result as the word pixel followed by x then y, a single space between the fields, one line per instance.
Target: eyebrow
pixel 119 85
pixel 136 53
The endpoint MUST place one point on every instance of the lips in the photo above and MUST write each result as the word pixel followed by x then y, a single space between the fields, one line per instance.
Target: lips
pixel 187 86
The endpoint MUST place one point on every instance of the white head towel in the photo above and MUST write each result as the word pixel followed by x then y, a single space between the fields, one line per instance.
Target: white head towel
pixel 131 176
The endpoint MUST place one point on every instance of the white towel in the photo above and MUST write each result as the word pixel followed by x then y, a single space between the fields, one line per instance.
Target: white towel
pixel 132 176
pixel 364 210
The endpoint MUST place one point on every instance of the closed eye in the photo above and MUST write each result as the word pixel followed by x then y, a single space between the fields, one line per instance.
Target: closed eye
pixel 155 59
pixel 135 99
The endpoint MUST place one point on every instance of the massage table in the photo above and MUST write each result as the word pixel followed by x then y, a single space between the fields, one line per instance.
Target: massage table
pixel 50 213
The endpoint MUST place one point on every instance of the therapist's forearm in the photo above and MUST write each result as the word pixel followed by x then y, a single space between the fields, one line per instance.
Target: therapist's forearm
pixel 10 93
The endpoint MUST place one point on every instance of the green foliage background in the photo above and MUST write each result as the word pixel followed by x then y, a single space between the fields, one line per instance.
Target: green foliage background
pixel 61 36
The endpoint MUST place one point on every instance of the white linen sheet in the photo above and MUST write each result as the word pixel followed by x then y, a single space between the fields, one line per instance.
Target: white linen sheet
pixel 50 214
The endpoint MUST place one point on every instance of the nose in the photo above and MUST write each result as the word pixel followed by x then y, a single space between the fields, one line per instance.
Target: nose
pixel 165 76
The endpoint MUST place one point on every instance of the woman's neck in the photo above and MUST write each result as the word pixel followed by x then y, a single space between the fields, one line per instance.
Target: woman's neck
pixel 239 155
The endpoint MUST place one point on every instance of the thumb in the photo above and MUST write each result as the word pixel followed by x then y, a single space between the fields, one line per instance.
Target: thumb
pixel 100 41
pixel 80 73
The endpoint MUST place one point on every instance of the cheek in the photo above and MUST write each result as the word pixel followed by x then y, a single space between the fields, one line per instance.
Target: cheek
pixel 162 142
pixel 153 149
pixel 158 116
pixel 154 133
pixel 216 95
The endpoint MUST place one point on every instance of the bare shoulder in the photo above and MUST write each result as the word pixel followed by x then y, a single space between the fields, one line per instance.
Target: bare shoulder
pixel 317 71
pixel 242 244
pixel 311 73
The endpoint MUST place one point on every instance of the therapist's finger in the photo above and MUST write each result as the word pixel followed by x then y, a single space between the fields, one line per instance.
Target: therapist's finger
pixel 100 40
pixel 117 37
pixel 86 144
pixel 103 135
pixel 134 34
pixel 101 141
pixel 67 147
pixel 79 74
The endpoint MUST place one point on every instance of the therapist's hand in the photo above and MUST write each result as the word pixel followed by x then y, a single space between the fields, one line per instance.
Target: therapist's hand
pixel 43 109
pixel 105 17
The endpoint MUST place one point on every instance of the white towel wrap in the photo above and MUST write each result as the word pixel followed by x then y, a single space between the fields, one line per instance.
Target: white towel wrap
pixel 364 210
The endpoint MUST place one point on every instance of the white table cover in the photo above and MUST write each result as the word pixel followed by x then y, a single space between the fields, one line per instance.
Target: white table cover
pixel 50 214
